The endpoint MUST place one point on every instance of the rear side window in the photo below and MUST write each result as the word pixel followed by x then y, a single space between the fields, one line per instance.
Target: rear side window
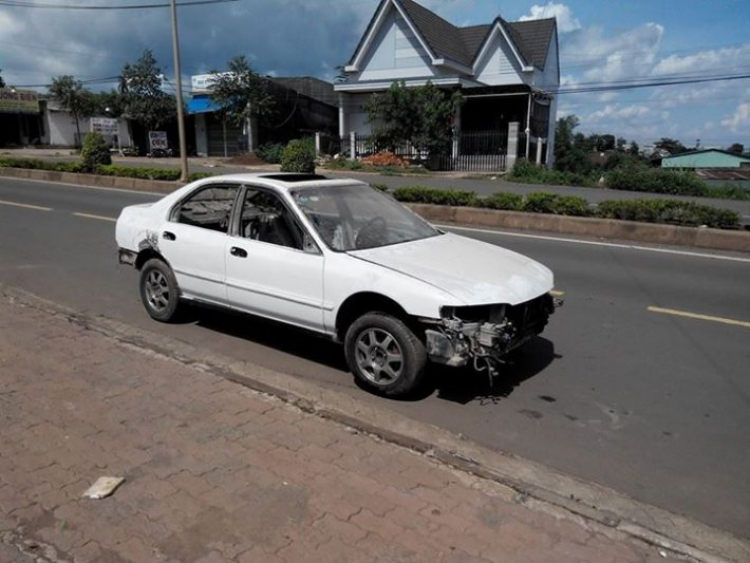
pixel 208 208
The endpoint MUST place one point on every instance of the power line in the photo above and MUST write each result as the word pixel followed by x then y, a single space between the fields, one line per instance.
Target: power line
pixel 27 4
pixel 605 87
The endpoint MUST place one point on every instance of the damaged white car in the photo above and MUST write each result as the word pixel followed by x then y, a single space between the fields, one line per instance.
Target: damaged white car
pixel 340 258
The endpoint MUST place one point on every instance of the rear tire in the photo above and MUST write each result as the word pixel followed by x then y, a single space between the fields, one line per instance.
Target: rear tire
pixel 160 293
pixel 384 354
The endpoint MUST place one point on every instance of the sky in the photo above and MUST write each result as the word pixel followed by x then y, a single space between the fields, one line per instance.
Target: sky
pixel 605 43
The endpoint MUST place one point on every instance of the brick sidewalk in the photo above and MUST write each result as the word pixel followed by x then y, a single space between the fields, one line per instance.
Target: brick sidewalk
pixel 215 472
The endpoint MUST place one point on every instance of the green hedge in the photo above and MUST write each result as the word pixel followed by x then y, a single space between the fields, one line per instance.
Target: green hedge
pixel 164 174
pixel 630 176
pixel 666 211
pixel 35 164
pixel 422 194
pixel 669 211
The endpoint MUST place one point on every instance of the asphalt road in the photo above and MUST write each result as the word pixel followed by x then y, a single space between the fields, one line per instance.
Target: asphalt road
pixel 482 184
pixel 647 401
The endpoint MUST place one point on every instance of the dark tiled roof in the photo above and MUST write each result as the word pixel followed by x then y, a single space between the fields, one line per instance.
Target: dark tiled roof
pixel 443 37
pixel 462 44
pixel 532 37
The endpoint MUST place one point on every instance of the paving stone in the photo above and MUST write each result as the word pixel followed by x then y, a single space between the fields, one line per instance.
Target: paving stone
pixel 217 472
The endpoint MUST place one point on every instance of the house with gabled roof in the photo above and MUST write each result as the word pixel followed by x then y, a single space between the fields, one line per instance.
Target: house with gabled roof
pixel 507 73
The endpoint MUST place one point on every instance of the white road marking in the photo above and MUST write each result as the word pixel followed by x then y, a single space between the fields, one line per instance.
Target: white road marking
pixel 598 243
pixel 698 316
pixel 97 217
pixel 25 205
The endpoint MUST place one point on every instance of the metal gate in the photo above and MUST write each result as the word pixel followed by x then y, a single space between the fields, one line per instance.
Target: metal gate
pixel 223 138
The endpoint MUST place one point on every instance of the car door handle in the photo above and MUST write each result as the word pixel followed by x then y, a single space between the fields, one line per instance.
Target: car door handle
pixel 168 235
pixel 238 252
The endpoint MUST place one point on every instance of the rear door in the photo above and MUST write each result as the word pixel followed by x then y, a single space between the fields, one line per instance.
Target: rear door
pixel 194 240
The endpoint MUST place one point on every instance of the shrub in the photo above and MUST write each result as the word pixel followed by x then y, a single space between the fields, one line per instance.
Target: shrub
pixel 298 156
pixel 540 202
pixel 529 173
pixel 641 178
pixel 504 200
pixel 271 152
pixel 670 211
pixel 573 206
pixel 380 187
pixel 421 194
pixel 95 151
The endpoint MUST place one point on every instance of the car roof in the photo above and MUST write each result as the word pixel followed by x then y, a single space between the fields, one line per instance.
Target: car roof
pixel 286 181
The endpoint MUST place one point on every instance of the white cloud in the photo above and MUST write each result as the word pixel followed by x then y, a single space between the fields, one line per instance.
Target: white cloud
pixel 740 120
pixel 565 20
pixel 719 61
pixel 633 111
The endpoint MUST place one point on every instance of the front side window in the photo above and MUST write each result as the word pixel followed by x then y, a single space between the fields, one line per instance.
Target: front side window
pixel 266 219
pixel 209 208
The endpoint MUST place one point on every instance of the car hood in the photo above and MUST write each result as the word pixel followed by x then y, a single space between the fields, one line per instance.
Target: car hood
pixel 474 272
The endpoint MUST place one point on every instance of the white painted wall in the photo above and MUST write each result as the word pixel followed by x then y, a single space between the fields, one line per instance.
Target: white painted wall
pixel 549 78
pixel 60 129
pixel 396 53
pixel 499 66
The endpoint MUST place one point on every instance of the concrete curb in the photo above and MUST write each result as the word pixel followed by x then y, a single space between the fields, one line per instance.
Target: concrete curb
pixel 716 239
pixel 533 485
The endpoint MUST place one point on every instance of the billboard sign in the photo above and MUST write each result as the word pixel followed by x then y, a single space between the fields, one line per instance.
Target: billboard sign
pixel 158 140
pixel 18 101
pixel 105 125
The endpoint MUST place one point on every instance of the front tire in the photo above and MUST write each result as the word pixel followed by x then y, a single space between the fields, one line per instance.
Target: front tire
pixel 159 291
pixel 384 354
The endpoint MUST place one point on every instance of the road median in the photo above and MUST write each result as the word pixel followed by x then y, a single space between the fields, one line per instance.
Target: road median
pixel 607 229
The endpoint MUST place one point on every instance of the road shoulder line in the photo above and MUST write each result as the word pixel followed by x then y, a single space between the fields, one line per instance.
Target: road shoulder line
pixel 535 486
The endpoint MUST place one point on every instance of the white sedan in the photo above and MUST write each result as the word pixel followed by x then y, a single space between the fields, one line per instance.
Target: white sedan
pixel 342 259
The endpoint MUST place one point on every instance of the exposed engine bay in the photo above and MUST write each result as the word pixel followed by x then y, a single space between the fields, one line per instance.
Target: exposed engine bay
pixel 485 334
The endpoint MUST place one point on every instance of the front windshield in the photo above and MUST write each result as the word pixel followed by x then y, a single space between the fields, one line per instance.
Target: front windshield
pixel 358 217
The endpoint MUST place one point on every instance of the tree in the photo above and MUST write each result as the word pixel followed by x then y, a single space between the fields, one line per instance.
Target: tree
pixel 421 115
pixel 72 97
pixel 569 156
pixel 144 100
pixel 2 82
pixel 241 93
pixel 737 148
pixel 110 104
pixel 672 146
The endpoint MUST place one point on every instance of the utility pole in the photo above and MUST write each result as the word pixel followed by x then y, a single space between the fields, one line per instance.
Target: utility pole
pixel 178 80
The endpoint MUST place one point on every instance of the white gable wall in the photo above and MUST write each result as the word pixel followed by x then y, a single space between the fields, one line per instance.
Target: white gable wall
pixel 549 78
pixel 499 65
pixel 396 53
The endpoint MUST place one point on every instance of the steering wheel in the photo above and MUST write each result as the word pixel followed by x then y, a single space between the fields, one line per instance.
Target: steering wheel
pixel 372 233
